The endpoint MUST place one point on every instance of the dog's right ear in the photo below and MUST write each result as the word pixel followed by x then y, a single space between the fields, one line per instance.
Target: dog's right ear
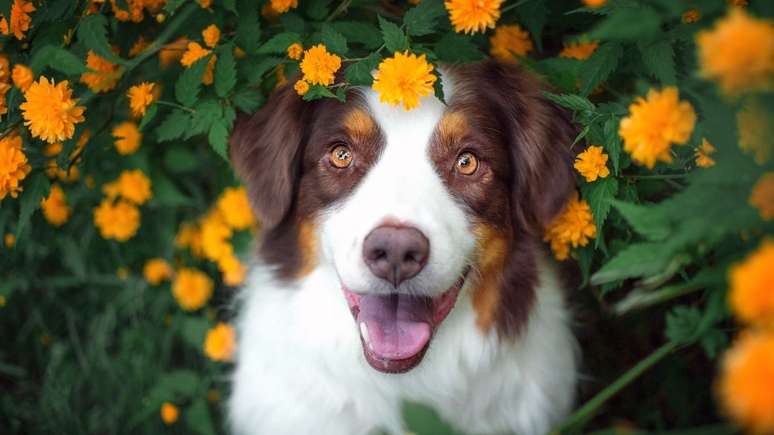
pixel 265 148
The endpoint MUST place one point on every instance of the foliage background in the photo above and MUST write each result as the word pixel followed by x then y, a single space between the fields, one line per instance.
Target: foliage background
pixel 90 347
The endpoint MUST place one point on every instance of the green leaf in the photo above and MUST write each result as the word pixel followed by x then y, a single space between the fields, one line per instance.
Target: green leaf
pixel 649 221
pixel 456 48
pixel 36 188
pixel 394 38
pixel 230 5
pixel 279 43
pixel 207 113
pixel 165 192
pixel 182 382
pixel 682 324
pixel 423 420
pixel 639 259
pixel 248 26
pixel 613 143
pixel 570 101
pixel 533 15
pixel 59 59
pixel 189 83
pixel 72 256
pixel 334 41
pixel 659 58
pixel 150 113
pixel 359 73
pixel 218 137
pixel 599 194
pixel 180 160
pixel 256 71
pixel 293 22
pixel 318 91
pixel 361 33
pixel 193 330
pixel 198 419
pixel 317 10
pixel 628 24
pixel 599 66
pixel 713 342
pixel 225 71
pixel 422 19
pixel 248 100
pixel 92 32
pixel 174 125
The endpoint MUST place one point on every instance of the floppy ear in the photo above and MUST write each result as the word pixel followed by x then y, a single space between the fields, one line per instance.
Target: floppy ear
pixel 265 149
pixel 540 136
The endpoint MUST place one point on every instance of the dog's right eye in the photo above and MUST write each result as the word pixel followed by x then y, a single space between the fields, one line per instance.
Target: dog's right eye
pixel 340 156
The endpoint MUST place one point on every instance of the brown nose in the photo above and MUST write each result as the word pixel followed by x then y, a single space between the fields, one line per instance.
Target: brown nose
pixel 395 254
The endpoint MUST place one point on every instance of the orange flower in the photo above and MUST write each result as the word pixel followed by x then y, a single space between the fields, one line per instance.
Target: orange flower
pixel 573 227
pixel 703 159
pixel 9 240
pixel 235 208
pixel 762 196
pixel 49 111
pixel 756 132
pixel 133 186
pixel 138 47
pixel 594 3
pixel 105 74
pixel 691 16
pixel 55 208
pixel 751 282
pixel 20 19
pixel 140 97
pixel 172 52
pixel 282 6
pixel 192 289
pixel 319 66
pixel 211 35
pixel 579 50
pixel 295 51
pixel 169 413
pixel 220 343
pixel 22 77
pixel 232 269
pixel 509 42
pixel 196 52
pixel 472 16
pixel 404 79
pixel 118 221
pixel 592 163
pixel 189 236
pixel 156 270
pixel 654 123
pixel 215 236
pixel 746 381
pixel 13 165
pixel 128 137
pixel 301 87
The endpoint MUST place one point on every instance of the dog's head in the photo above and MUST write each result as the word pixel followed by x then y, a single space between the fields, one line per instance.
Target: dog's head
pixel 408 207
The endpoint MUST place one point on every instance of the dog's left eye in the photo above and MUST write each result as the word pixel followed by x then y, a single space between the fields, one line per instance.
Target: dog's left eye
pixel 340 156
pixel 467 163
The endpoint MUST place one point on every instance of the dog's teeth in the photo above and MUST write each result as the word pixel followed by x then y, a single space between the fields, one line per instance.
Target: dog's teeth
pixel 364 334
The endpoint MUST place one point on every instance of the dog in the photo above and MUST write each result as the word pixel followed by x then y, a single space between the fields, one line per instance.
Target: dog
pixel 402 259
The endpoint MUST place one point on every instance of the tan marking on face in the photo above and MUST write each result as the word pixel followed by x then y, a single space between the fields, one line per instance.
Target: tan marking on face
pixel 308 247
pixel 491 251
pixel 359 124
pixel 452 127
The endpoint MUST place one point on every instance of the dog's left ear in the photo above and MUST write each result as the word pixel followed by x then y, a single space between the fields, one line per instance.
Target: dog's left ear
pixel 540 136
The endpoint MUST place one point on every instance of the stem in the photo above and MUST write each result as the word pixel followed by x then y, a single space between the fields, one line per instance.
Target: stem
pixel 175 105
pixel 341 8
pixel 585 412
pixel 513 6
pixel 164 36
pixel 657 177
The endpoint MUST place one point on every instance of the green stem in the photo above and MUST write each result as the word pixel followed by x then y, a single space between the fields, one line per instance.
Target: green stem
pixel 657 177
pixel 341 8
pixel 164 36
pixel 175 105
pixel 585 412
pixel 513 6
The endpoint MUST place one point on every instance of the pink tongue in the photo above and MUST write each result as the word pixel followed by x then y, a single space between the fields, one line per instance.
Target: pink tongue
pixel 398 325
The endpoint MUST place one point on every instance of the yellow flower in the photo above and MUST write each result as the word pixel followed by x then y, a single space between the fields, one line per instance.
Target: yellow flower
pixel 134 186
pixel 746 381
pixel 211 35
pixel 738 53
pixel 55 208
pixel 295 51
pixel 282 6
pixel 215 236
pixel 205 4
pixel 404 78
pixel 156 270
pixel 319 67
pixel 235 208
pixel 691 16
pixel 140 97
pixel 737 2
pixel 573 227
pixel 193 52
pixel 13 165
pixel 138 47
pixel 471 16
pixel 22 77
pixel 189 236
pixel 128 137
pixel 220 343
pixel 762 196
pixel 192 288
pixel 703 159
pixel 232 269
pixel 49 111
pixel 172 52
pixel 751 283
pixel 9 240
pixel 104 75
pixel 592 163
pixel 756 132
pixel 654 123
pixel 594 3
pixel 509 42
pixel 169 413
pixel 20 19
pixel 301 87
pixel 279 72
pixel 579 50
pixel 118 221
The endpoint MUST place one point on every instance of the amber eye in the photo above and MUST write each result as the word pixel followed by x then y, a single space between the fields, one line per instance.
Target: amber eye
pixel 467 163
pixel 340 156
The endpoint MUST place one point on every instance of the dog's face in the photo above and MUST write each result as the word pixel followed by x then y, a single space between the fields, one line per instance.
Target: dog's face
pixel 410 208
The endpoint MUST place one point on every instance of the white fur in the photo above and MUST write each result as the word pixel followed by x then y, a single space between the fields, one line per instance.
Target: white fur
pixel 300 365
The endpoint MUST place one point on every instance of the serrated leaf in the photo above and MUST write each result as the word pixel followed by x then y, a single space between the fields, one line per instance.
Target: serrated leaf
pixel 334 41
pixel 248 100
pixel 359 73
pixel 35 188
pixel 318 91
pixel 173 126
pixel 225 71
pixel 150 113
pixel 218 138
pixel 206 113
pixel 649 221
pixel 279 43
pixel 457 48
pixel 394 38
pixel 639 259
pixel 92 32
pixel 59 59
pixel 659 58
pixel 599 194
pixel 533 15
pixel 256 70
pixel 682 324
pixel 570 101
pixel 189 83
pixel 317 10
pixel 293 22
pixel 362 33
pixel 613 143
pixel 627 23
pixel 438 91
pixel 599 66
pixel 248 26
pixel 422 19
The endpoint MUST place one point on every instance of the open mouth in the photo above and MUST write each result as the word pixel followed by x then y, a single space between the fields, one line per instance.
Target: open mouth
pixel 396 329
